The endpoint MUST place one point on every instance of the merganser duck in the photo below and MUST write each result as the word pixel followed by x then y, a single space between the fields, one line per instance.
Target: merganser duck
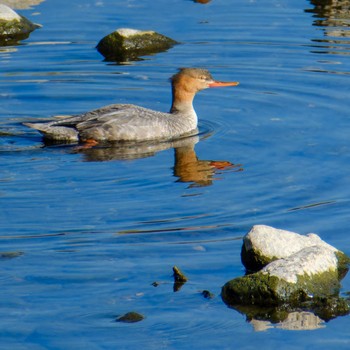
pixel 127 122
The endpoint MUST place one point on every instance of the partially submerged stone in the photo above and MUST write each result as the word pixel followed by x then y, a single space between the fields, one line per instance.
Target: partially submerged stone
pixel 130 317
pixel 13 27
pixel 264 244
pixel 10 255
pixel 178 275
pixel 126 44
pixel 179 279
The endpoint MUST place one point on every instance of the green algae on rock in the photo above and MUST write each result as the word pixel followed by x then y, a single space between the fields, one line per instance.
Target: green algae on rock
pixel 13 27
pixel 307 276
pixel 126 44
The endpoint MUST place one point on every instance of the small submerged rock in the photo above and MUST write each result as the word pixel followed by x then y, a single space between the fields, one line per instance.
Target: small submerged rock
pixel 10 255
pixel 179 279
pixel 207 294
pixel 127 44
pixel 13 27
pixel 130 317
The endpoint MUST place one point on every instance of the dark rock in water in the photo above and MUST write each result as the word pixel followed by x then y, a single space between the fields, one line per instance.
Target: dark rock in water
pixel 129 44
pixel 130 317
pixel 178 275
pixel 207 294
pixel 10 255
pixel 179 279
pixel 13 27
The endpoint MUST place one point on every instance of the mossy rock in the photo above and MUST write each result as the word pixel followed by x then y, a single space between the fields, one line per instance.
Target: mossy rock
pixel 266 290
pixel 129 44
pixel 308 275
pixel 13 27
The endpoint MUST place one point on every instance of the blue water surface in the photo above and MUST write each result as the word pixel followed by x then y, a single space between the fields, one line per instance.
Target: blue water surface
pixel 84 235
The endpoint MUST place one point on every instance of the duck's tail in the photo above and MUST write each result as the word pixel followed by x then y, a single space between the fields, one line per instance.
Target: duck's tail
pixel 52 132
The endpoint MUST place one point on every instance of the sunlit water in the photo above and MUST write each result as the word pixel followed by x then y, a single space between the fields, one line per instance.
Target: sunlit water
pixel 84 235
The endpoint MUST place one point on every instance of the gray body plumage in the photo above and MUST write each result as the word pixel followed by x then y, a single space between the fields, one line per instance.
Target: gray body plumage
pixel 118 122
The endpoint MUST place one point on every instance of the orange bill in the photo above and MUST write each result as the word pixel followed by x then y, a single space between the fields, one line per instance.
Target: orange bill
pixel 223 83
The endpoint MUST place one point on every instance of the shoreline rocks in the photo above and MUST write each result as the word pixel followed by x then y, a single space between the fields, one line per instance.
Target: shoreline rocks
pixel 13 27
pixel 127 44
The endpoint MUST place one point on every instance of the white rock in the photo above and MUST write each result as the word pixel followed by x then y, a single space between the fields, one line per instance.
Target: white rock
pixel 7 14
pixel 276 243
pixel 21 4
pixel 127 32
pixel 309 262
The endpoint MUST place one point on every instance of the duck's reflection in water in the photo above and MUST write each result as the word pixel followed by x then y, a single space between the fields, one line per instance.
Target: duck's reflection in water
pixel 187 166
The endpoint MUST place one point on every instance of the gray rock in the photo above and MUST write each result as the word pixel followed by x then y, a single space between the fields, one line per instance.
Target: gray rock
pixel 126 44
pixel 13 27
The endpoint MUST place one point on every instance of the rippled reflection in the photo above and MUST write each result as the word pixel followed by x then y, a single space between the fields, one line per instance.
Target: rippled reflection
pixel 294 321
pixel 187 166
pixel 287 317
pixel 334 17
